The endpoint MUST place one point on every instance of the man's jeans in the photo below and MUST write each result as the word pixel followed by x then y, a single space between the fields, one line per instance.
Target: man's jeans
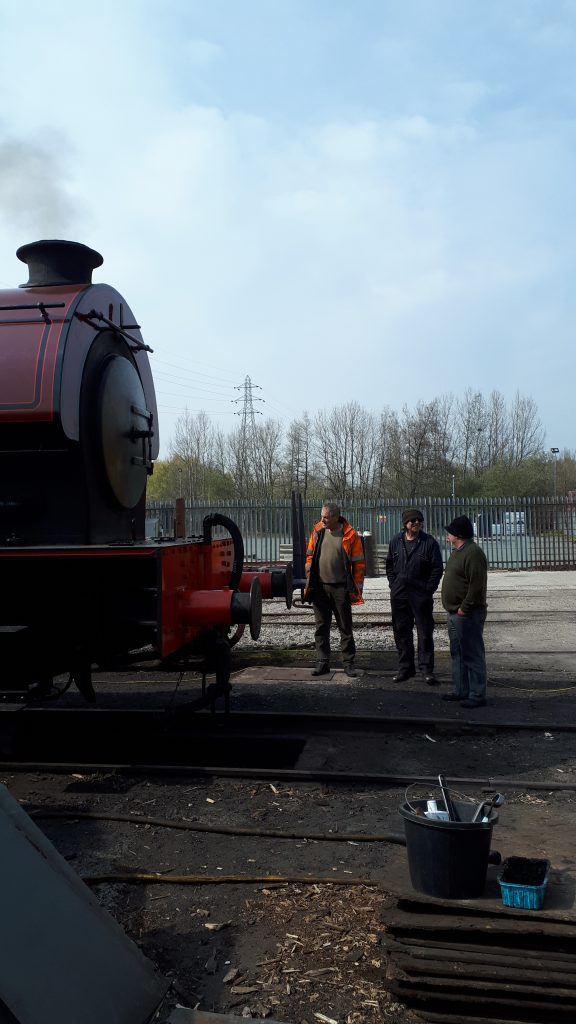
pixel 468 655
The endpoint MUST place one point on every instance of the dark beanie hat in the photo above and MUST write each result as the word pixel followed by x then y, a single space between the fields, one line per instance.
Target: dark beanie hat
pixel 460 527
pixel 411 513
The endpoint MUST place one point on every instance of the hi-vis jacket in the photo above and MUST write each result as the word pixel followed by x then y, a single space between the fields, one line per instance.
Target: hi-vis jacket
pixel 354 564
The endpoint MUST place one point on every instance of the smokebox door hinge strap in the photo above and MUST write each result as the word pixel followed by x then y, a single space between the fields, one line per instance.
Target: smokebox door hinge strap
pixel 134 343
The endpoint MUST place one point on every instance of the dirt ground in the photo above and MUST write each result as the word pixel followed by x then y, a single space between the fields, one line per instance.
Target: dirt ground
pixel 302 952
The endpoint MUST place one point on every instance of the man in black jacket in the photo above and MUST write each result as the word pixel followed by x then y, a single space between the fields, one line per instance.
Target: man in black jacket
pixel 414 570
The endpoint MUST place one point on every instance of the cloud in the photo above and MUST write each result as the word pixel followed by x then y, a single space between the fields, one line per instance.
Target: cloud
pixel 202 53
pixel 35 196
pixel 389 188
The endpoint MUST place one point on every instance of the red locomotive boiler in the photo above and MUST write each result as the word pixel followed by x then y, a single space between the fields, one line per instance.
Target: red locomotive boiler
pixel 78 438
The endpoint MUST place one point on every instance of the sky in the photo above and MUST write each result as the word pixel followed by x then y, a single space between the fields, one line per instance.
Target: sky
pixel 345 200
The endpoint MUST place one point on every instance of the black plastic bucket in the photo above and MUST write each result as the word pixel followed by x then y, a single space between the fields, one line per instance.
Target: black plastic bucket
pixel 447 859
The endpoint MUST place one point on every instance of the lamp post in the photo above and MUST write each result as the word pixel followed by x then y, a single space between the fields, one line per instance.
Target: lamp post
pixel 555 454
pixel 186 463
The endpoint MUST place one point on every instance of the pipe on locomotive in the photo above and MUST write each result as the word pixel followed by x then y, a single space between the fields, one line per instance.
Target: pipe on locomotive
pixel 204 608
pixel 273 583
pixel 218 519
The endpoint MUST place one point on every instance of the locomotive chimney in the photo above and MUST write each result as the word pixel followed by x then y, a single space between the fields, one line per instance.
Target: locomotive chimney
pixel 55 262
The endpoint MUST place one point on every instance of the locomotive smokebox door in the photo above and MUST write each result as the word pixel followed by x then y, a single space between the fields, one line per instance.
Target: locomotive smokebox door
pixel 125 431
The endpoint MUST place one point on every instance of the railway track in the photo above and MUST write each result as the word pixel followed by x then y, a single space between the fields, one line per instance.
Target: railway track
pixel 300 616
pixel 487 783
pixel 257 745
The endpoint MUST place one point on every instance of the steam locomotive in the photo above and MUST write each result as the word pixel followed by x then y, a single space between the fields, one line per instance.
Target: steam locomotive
pixel 79 583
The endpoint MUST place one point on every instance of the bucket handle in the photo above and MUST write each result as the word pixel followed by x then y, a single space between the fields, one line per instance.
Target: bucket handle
pixel 435 788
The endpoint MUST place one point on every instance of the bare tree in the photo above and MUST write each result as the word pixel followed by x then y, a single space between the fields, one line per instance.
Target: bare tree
pixel 266 457
pixel 354 454
pixel 344 441
pixel 298 455
pixel 221 452
pixel 332 448
pixel 364 452
pixel 193 446
pixel 472 431
pixel 239 466
pixel 381 474
pixel 418 430
pixel 395 465
pixel 442 444
pixel 497 428
pixel 526 431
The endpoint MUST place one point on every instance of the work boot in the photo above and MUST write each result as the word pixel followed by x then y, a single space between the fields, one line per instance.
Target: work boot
pixel 322 669
pixel 403 675
pixel 350 670
pixel 41 688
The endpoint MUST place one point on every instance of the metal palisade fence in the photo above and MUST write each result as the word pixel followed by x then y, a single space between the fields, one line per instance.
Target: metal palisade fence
pixel 515 533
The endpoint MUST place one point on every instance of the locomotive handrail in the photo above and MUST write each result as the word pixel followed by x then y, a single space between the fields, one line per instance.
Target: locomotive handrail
pixel 217 519
pixel 36 305
pixel 40 306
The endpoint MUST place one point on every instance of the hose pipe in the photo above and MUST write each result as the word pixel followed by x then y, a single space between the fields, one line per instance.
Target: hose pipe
pixel 217 519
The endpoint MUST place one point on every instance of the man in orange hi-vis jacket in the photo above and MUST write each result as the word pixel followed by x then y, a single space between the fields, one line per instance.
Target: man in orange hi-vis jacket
pixel 335 577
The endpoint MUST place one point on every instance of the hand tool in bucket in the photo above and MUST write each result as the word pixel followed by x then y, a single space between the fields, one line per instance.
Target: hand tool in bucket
pixel 452 812
pixel 486 806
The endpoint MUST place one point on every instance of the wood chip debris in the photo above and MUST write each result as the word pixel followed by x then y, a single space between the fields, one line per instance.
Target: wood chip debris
pixel 231 975
pixel 329 963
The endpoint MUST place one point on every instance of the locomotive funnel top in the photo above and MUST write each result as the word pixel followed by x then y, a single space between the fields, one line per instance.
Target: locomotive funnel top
pixel 54 262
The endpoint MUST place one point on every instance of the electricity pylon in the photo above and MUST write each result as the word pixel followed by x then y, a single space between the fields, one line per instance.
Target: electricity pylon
pixel 247 448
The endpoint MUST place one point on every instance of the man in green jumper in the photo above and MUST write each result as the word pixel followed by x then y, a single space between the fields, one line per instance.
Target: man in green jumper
pixel 464 598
